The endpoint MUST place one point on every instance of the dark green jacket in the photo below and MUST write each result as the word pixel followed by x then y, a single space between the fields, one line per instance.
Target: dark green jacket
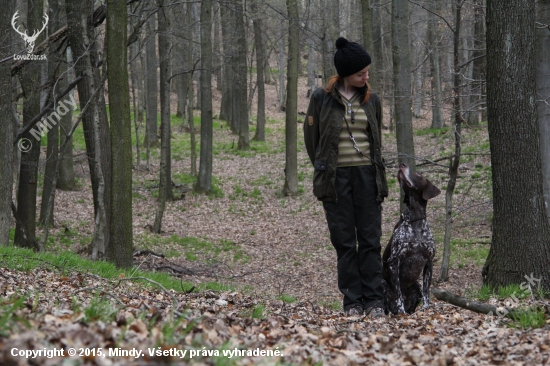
pixel 324 120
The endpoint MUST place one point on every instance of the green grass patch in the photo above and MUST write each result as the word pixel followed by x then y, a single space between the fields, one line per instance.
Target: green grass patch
pixel 26 260
pixel 192 248
pixel 512 291
pixel 332 304
pixel 484 293
pixel 287 298
pixel 99 309
pixel 529 319
pixel 432 131
pixel 258 311
pixel 8 313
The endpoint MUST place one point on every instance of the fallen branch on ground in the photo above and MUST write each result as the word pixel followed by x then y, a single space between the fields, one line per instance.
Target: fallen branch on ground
pixel 475 306
pixel 147 251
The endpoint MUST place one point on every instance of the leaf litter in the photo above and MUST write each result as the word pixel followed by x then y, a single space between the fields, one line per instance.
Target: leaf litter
pixel 284 254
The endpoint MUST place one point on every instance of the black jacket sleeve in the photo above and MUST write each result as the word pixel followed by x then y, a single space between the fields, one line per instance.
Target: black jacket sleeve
pixel 311 126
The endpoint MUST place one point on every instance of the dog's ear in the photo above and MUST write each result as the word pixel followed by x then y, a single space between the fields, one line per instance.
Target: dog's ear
pixel 430 191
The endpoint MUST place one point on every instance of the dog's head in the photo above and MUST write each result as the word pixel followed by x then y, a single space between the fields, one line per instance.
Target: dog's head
pixel 414 184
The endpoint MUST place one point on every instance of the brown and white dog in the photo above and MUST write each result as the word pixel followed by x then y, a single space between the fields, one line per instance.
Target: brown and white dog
pixel 411 248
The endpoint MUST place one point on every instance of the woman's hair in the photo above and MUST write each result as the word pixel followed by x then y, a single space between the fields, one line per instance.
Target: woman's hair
pixel 337 79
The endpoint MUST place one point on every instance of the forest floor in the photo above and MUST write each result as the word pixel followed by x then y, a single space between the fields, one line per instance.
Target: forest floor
pixel 268 268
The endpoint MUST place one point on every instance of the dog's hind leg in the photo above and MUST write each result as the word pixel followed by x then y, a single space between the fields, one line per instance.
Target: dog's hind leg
pixel 411 297
pixel 427 280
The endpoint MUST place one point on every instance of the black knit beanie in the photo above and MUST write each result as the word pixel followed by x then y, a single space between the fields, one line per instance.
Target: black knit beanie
pixel 350 57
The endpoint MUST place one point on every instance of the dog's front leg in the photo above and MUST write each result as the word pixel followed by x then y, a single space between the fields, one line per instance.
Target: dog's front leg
pixel 426 282
pixel 394 270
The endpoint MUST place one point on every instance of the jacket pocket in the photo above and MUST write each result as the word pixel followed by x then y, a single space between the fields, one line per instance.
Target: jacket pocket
pixel 319 181
pixel 319 165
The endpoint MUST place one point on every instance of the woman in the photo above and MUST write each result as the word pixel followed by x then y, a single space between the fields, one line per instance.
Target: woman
pixel 342 134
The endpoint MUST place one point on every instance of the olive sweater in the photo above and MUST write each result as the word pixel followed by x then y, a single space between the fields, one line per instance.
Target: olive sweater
pixel 322 128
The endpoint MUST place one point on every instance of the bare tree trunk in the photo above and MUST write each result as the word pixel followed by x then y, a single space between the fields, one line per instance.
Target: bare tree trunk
pixel 291 166
pixel 179 59
pixel 330 34
pixel 240 111
pixel 260 64
pixel 366 17
pixel 417 102
pixel 66 178
pixel 30 79
pixel 311 41
pixel 402 82
pixel 455 160
pixel 521 232
pixel 165 46
pixel 197 52
pixel 480 60
pixel 543 93
pixel 191 124
pixel 152 82
pixel 228 29
pixel 191 95
pixel 281 66
pixel 216 60
pixel 7 130
pixel 433 39
pixel 83 48
pixel 165 185
pixel 204 181
pixel 120 249
pixel 55 60
pixel 376 74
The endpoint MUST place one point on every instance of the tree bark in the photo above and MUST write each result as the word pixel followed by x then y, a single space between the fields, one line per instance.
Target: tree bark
pixel 433 40
pixel 402 83
pixel 83 51
pixel 228 29
pixel 376 71
pixel 66 179
pixel 165 185
pixel 260 64
pixel 56 65
pixel 7 130
pixel 543 93
pixel 311 46
pixel 291 166
pixel 367 28
pixel 455 161
pixel 191 65
pixel 240 111
pixel 179 61
pixel 281 66
pixel 151 80
pixel 30 79
pixel 120 248
pixel 521 232
pixel 479 63
pixel 216 59
pixel 204 181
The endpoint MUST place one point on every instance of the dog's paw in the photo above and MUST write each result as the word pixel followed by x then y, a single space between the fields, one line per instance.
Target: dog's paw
pixel 425 306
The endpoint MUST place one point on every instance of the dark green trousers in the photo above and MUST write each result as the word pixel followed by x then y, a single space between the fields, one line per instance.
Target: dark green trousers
pixel 355 225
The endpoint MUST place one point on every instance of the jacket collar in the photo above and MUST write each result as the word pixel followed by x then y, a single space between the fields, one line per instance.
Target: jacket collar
pixel 335 94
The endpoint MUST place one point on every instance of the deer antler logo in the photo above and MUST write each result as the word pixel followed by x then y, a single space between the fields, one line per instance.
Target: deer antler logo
pixel 29 40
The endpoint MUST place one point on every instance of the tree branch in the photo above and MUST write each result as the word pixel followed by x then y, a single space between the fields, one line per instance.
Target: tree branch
pixel 434 13
pixel 46 109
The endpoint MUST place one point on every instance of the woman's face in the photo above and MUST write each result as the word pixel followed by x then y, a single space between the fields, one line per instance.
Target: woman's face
pixel 358 79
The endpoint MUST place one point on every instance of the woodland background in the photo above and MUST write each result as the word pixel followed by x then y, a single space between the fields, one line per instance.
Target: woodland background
pixel 183 214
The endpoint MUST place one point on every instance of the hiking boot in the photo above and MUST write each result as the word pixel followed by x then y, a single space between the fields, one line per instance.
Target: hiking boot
pixel 377 312
pixel 356 310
